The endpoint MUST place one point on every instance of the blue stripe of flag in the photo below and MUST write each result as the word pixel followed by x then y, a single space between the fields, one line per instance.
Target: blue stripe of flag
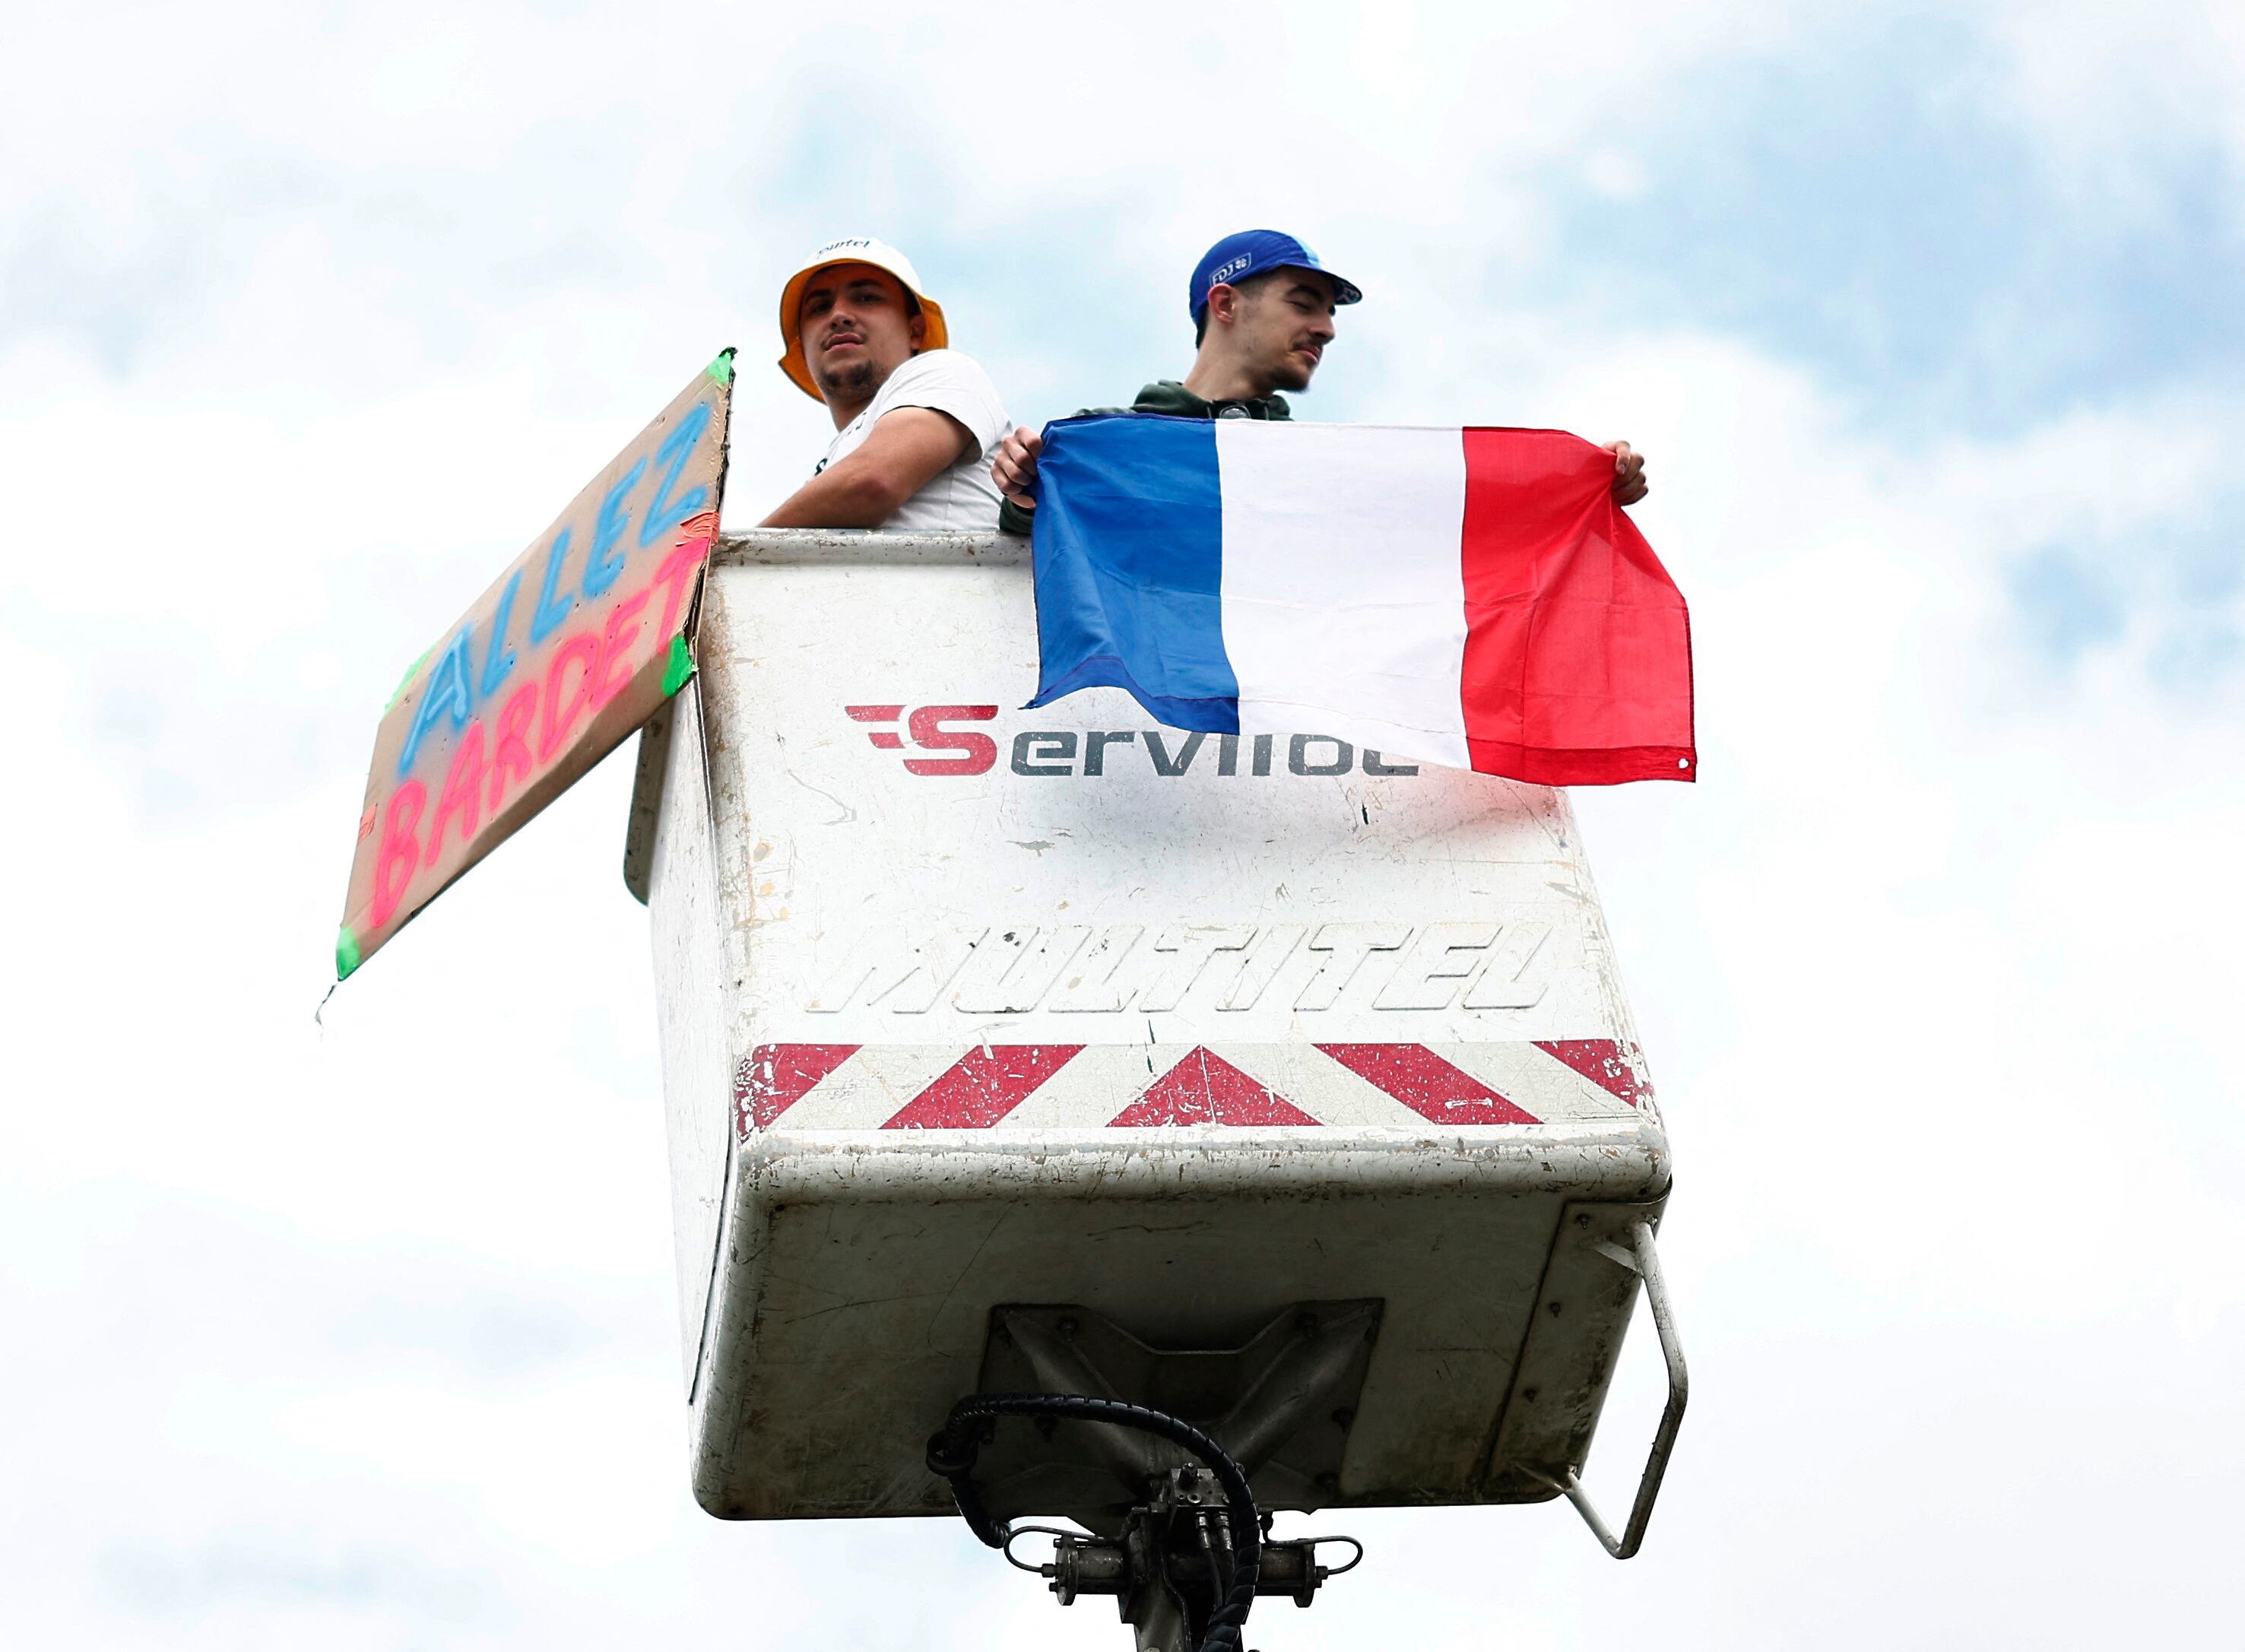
pixel 1129 546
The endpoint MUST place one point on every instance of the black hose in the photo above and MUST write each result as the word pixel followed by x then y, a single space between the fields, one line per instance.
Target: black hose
pixel 951 1454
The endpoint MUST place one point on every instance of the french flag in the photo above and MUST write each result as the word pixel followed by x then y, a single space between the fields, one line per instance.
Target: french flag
pixel 1470 597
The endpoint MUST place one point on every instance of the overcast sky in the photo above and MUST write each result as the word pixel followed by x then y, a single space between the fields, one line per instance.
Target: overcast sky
pixel 363 1337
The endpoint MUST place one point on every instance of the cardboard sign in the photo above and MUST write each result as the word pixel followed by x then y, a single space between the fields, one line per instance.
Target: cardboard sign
pixel 576 646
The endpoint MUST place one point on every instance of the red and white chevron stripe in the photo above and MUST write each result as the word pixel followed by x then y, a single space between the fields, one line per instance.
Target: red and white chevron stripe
pixel 1059 1087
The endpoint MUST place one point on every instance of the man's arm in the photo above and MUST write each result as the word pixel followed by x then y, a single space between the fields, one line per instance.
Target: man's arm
pixel 905 450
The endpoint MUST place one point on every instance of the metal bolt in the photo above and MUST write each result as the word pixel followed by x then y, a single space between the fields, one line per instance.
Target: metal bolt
pixel 1528 1394
pixel 1328 1481
pixel 1067 1328
pixel 1553 1307
pixel 1345 1416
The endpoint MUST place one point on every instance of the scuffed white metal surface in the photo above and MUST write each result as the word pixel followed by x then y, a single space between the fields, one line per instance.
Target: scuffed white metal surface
pixel 971 968
pixel 687 928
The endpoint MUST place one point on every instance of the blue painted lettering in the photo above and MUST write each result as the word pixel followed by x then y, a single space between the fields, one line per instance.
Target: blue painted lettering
pixel 550 614
pixel 498 659
pixel 447 691
pixel 600 568
pixel 665 514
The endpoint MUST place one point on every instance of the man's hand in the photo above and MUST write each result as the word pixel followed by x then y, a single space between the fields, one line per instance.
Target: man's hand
pixel 1629 482
pixel 1015 470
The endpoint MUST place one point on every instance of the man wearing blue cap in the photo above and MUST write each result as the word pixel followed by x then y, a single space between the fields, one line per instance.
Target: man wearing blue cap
pixel 1263 310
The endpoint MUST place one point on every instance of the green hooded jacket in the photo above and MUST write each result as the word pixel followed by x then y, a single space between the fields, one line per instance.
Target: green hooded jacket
pixel 1164 395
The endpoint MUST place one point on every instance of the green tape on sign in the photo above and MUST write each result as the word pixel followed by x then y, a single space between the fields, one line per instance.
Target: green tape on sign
pixel 346 953
pixel 722 369
pixel 678 667
pixel 412 672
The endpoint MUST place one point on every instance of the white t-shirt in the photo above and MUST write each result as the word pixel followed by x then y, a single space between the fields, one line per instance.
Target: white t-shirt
pixel 962 496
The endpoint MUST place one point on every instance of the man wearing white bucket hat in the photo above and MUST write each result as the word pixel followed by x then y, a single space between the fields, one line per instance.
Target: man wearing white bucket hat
pixel 914 420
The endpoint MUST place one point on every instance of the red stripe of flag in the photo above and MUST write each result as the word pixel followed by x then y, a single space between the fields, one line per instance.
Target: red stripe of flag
pixel 777 1076
pixel 982 1088
pixel 1426 1084
pixel 1578 648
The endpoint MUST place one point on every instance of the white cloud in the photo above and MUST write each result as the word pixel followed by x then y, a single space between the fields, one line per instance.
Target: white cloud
pixel 2105 92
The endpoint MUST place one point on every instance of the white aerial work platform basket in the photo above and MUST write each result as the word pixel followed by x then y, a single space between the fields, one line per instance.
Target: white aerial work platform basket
pixel 1011 1048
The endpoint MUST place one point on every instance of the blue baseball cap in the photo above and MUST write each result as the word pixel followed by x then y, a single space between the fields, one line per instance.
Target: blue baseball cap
pixel 1252 252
